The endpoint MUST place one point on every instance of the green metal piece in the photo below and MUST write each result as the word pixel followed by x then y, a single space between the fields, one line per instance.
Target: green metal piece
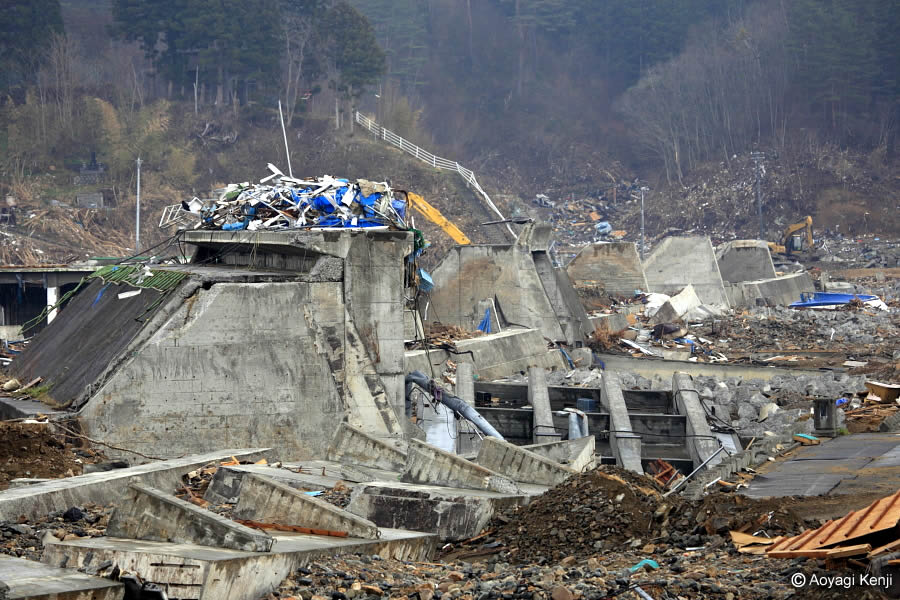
pixel 133 275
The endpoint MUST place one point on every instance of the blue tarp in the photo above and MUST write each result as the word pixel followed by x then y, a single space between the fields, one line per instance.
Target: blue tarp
pixel 808 300
pixel 485 324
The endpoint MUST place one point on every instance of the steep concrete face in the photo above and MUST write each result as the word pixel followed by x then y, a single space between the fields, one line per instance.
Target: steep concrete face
pixel 626 446
pixel 700 441
pixel 526 290
pixel 615 267
pixel 679 261
pixel 745 260
pixel 221 372
pixel 577 455
pixel 429 465
pixel 355 446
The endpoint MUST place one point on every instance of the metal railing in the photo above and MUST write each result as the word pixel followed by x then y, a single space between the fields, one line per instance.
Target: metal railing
pixel 388 136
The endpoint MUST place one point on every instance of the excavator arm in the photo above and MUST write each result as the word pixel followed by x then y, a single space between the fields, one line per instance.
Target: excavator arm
pixel 784 246
pixel 435 216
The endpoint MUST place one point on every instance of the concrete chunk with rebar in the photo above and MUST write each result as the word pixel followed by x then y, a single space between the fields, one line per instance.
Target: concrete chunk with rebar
pixel 577 455
pixel 354 446
pixel 268 501
pixel 625 444
pixel 427 464
pixel 146 513
pixel 520 464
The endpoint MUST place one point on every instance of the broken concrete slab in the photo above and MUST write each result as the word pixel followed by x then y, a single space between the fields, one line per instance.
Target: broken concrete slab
pixel 612 323
pixel 38 500
pixel 225 487
pixel 677 306
pixel 520 464
pixel 21 579
pixel 427 464
pixel 353 445
pixel 776 291
pixel 578 454
pixel 539 399
pixel 679 261
pixel 451 513
pixel 625 444
pixel 495 356
pixel 268 501
pixel 192 572
pixel 146 513
pixel 745 260
pixel 615 267
pixel 700 440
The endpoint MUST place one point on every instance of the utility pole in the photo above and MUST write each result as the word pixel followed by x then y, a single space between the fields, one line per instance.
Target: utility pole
pixel 642 190
pixel 758 158
pixel 137 214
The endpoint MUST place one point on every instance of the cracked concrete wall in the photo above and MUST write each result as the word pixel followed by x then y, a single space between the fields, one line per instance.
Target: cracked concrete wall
pixel 615 266
pixel 679 261
pixel 235 366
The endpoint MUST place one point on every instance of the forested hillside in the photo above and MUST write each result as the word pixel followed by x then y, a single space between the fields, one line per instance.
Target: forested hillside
pixel 563 97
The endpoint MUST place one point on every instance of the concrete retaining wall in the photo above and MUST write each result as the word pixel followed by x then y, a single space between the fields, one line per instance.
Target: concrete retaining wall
pixel 745 260
pixel 679 261
pixel 615 267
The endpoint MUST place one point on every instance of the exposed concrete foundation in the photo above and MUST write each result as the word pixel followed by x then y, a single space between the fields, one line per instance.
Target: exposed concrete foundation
pixel 268 501
pixel 38 500
pixel 614 267
pixel 679 261
pixel 745 260
pixel 520 464
pixel 148 514
pixel 433 466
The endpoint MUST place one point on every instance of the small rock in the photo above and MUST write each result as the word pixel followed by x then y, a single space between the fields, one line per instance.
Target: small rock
pixel 373 590
pixel 568 561
pixel 455 576
pixel 561 593
pixel 73 514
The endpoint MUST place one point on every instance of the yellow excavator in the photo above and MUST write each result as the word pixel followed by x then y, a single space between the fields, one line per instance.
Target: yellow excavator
pixel 787 242
pixel 435 216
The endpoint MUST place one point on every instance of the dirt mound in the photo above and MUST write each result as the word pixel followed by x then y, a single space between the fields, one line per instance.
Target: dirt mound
pixel 33 450
pixel 598 510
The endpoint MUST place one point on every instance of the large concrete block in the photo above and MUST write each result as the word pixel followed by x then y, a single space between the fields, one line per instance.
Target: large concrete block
pixel 679 261
pixel 745 260
pixel 520 464
pixel 775 291
pixel 432 466
pixel 355 446
pixel 700 441
pixel 615 267
pixel 146 513
pixel 451 513
pixel 543 429
pixel 269 501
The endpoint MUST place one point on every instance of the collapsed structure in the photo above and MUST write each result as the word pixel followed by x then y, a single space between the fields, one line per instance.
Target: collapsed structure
pixel 288 358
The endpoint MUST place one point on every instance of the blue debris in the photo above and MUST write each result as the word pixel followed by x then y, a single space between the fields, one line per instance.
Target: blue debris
pixel 485 324
pixel 426 283
pixel 808 300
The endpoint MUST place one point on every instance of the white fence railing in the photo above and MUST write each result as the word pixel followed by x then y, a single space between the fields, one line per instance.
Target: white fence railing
pixel 425 156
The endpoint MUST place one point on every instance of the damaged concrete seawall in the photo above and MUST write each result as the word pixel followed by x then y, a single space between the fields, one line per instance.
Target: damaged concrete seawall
pixel 211 376
pixel 526 292
pixel 680 261
pixel 616 267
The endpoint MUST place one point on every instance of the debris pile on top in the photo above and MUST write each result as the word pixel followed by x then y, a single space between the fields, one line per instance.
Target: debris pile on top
pixel 282 202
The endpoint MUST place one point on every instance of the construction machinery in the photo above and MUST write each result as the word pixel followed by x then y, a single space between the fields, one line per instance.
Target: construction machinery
pixel 434 215
pixel 797 236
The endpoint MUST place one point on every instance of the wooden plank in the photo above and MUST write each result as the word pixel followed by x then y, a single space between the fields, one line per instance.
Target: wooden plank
pixel 884 549
pixel 845 551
